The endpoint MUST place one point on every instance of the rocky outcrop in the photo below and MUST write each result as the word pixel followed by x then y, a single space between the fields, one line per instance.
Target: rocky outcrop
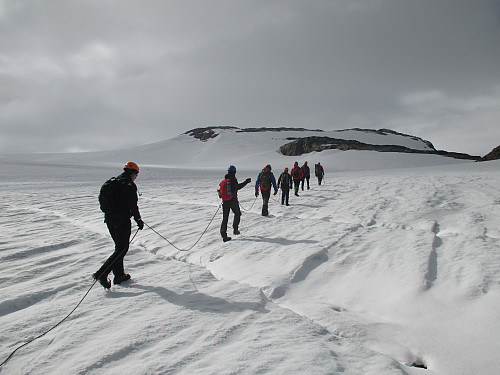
pixel 389 131
pixel 204 134
pixel 493 155
pixel 306 145
pixel 281 129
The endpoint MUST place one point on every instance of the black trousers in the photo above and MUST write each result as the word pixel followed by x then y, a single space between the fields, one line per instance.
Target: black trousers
pixel 285 196
pixel 231 205
pixel 306 179
pixel 296 185
pixel 266 194
pixel 120 230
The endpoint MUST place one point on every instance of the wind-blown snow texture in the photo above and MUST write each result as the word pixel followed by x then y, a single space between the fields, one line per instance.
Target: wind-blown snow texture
pixel 383 266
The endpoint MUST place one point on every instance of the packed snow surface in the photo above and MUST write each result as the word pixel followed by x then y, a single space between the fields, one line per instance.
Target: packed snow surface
pixel 393 263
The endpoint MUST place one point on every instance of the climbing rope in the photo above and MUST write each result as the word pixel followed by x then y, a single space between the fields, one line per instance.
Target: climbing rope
pixel 244 209
pixel 67 316
pixel 166 239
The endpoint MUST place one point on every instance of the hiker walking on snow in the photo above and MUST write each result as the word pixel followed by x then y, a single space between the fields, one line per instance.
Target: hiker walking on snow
pixel 306 175
pixel 229 193
pixel 264 182
pixel 297 177
pixel 118 199
pixel 285 181
pixel 319 172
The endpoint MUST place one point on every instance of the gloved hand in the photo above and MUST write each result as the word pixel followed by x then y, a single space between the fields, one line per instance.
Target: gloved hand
pixel 248 180
pixel 256 192
pixel 275 192
pixel 140 224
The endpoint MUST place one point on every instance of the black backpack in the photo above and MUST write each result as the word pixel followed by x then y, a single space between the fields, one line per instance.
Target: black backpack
pixel 317 169
pixel 109 195
pixel 285 179
pixel 265 178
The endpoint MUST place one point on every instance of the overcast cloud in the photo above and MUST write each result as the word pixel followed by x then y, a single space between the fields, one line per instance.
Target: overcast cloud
pixel 100 74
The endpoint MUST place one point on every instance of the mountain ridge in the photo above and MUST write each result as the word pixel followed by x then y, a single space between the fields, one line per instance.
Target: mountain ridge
pixel 305 145
pixel 217 147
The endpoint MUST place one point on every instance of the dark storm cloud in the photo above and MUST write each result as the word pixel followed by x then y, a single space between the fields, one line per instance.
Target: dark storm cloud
pixel 109 74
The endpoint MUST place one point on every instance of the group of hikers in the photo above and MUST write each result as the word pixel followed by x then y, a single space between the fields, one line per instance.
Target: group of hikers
pixel 118 201
pixel 266 181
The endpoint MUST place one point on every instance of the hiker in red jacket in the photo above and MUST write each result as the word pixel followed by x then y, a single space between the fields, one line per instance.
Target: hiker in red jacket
pixel 297 176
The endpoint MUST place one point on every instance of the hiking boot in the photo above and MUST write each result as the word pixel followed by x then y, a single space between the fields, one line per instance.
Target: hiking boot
pixel 236 231
pixel 103 280
pixel 121 279
pixel 225 239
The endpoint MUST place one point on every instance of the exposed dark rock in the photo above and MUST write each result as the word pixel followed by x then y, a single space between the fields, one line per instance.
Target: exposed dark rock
pixel 419 363
pixel 282 129
pixel 204 134
pixel 309 144
pixel 493 155
pixel 389 131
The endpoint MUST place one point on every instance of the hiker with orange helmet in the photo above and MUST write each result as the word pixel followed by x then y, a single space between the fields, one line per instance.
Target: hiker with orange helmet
pixel 285 181
pixel 118 199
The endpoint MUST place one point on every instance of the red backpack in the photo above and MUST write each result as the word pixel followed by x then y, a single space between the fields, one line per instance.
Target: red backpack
pixel 225 191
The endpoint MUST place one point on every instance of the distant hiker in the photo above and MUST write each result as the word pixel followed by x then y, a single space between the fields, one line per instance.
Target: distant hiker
pixel 264 181
pixel 306 175
pixel 118 200
pixel 319 172
pixel 229 193
pixel 285 181
pixel 297 175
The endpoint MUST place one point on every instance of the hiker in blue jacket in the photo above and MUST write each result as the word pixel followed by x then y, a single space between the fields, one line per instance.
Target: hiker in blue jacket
pixel 264 181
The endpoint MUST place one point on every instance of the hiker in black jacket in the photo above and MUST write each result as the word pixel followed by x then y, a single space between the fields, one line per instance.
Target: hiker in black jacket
pixel 285 181
pixel 117 218
pixel 319 172
pixel 230 202
pixel 306 175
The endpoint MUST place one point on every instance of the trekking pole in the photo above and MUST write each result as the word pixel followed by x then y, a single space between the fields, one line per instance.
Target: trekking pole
pixel 66 317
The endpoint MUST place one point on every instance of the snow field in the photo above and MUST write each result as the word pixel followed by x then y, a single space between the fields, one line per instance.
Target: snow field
pixel 363 275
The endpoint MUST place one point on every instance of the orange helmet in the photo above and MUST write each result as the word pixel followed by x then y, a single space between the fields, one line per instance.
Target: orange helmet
pixel 286 169
pixel 131 165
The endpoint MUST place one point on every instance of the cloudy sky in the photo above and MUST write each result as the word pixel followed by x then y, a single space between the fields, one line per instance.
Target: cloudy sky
pixel 98 74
